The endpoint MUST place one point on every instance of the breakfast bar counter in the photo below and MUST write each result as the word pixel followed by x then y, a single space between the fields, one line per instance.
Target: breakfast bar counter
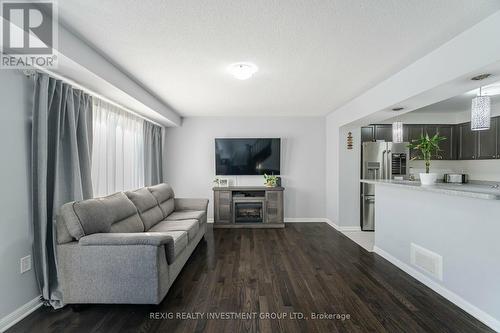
pixel 474 189
pixel 446 236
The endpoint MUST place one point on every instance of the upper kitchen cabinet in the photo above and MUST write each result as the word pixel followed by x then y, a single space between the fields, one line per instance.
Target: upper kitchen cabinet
pixel 487 142
pixel 448 146
pixel 368 133
pixel 414 133
pixel 461 142
pixel 376 133
pixel 467 142
pixel 383 132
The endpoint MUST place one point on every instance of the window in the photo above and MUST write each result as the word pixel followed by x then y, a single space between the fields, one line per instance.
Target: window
pixel 117 149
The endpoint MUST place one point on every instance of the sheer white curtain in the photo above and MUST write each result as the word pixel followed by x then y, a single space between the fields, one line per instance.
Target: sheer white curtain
pixel 118 150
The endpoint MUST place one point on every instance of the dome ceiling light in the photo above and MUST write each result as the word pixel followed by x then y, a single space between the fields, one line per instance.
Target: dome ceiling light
pixel 242 70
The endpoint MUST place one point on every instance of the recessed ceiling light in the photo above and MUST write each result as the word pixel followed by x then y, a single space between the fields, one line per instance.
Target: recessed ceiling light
pixel 480 77
pixel 242 70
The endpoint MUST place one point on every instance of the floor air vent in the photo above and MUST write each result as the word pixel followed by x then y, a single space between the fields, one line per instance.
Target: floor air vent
pixel 428 261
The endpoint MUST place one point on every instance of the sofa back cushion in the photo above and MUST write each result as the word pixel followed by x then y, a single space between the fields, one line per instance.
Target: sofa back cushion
pixel 124 214
pixel 146 204
pixel 164 194
pixel 114 213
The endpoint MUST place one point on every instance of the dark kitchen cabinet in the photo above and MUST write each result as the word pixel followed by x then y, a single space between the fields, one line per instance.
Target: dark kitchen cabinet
pixel 487 142
pixel 467 142
pixel 414 133
pixel 383 132
pixel 448 146
pixel 368 133
pixel 461 142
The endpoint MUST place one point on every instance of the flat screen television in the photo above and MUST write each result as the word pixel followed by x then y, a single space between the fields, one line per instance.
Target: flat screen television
pixel 254 156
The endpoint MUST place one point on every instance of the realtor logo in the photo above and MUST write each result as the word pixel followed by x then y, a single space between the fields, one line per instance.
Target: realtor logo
pixel 28 34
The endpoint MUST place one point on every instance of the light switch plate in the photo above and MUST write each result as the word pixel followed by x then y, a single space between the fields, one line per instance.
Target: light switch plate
pixel 25 264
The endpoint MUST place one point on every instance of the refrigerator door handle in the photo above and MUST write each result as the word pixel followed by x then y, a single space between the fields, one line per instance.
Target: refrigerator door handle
pixel 384 161
pixel 389 164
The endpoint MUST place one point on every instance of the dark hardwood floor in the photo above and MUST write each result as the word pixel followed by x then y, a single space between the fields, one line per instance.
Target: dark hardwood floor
pixel 304 269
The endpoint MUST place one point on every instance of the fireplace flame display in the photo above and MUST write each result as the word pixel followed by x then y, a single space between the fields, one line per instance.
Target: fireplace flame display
pixel 249 212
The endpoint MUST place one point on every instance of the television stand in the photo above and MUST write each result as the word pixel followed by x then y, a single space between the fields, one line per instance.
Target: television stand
pixel 248 207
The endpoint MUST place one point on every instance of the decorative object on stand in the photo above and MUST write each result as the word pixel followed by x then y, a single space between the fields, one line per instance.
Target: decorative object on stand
pixel 427 147
pixel 480 112
pixel 349 140
pixel 270 180
pixel 216 181
pixel 223 182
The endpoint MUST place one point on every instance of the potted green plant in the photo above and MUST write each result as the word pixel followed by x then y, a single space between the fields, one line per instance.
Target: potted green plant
pixel 216 181
pixel 270 180
pixel 427 147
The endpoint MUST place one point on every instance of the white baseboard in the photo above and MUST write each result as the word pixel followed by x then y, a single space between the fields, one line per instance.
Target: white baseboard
pixel 303 219
pixel 290 219
pixel 446 293
pixel 17 315
pixel 312 219
pixel 341 228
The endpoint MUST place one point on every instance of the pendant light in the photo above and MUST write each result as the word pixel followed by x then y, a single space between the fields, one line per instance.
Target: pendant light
pixel 397 128
pixel 480 112
pixel 397 132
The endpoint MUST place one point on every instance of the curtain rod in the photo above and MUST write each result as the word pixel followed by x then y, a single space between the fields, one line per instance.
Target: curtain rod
pixel 31 72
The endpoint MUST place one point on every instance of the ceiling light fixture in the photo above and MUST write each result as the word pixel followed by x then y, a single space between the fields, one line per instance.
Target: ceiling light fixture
pixel 397 127
pixel 397 132
pixel 481 77
pixel 242 70
pixel 480 113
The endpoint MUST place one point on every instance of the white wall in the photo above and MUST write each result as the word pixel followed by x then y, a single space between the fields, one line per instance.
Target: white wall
pixel 15 134
pixel 350 168
pixel 190 158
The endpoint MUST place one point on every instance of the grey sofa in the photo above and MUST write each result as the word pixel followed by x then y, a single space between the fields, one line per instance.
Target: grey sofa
pixel 126 247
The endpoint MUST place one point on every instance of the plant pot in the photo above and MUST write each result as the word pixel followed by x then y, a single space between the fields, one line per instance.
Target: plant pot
pixel 427 179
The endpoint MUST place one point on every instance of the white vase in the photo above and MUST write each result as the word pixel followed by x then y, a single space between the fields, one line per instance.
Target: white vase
pixel 427 179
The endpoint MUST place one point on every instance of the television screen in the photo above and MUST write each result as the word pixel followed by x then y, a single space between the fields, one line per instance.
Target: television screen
pixel 247 156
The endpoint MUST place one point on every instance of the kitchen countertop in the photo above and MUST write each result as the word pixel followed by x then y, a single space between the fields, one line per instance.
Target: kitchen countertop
pixel 473 189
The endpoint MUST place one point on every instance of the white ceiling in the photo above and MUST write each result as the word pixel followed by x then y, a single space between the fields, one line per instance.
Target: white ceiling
pixel 460 103
pixel 313 55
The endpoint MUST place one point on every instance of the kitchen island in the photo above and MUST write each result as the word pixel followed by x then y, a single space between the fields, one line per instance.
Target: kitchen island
pixel 447 236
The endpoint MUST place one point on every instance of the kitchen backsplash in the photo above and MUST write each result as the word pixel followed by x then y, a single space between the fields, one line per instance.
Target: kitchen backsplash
pixel 488 170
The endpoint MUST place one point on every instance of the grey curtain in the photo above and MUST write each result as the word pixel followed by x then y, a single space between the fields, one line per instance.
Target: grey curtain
pixel 153 168
pixel 61 168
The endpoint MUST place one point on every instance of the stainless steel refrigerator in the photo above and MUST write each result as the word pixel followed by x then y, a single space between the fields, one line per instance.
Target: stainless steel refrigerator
pixel 379 160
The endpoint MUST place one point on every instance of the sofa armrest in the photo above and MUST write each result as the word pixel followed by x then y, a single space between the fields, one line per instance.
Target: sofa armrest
pixel 190 204
pixel 139 238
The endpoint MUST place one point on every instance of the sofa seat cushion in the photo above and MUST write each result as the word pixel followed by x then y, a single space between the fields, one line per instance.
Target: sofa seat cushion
pixel 186 215
pixel 164 194
pixel 189 226
pixel 146 204
pixel 175 248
